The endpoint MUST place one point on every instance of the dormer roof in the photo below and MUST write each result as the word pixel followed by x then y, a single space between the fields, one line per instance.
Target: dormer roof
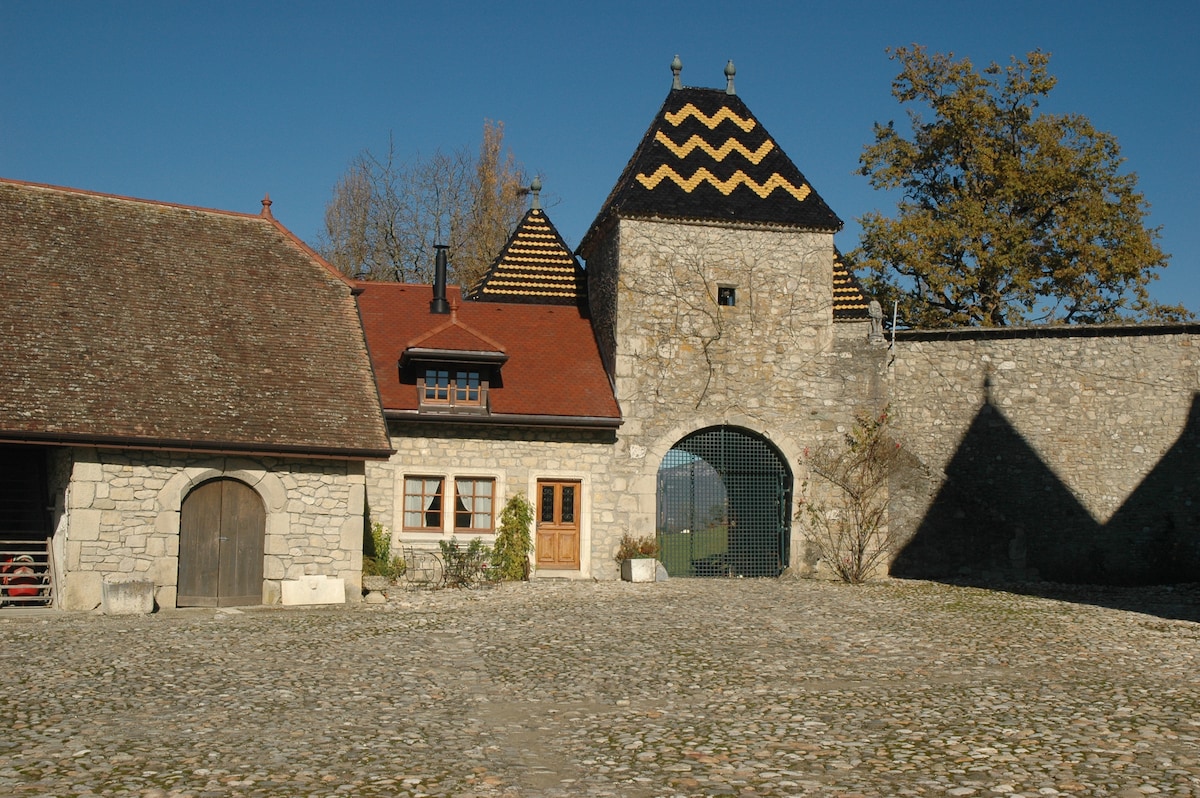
pixel 535 266
pixel 454 341
pixel 706 157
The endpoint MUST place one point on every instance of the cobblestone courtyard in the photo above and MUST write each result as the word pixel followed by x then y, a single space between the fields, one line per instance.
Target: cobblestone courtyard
pixel 680 688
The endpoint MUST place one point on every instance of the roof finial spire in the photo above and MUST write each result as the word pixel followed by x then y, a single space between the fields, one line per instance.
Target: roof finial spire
pixel 676 68
pixel 535 188
pixel 266 203
pixel 729 73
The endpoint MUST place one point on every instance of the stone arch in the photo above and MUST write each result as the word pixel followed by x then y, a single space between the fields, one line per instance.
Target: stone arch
pixel 723 496
pixel 267 484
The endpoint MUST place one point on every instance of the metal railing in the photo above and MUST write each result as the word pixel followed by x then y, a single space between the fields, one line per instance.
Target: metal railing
pixel 26 573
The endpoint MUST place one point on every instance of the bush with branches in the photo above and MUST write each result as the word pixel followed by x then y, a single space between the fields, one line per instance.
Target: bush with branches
pixel 853 537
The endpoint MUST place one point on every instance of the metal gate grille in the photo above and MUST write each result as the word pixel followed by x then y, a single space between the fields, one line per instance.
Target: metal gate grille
pixel 723 501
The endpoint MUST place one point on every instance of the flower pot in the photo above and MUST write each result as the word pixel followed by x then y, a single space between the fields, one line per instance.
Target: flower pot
pixel 375 585
pixel 643 570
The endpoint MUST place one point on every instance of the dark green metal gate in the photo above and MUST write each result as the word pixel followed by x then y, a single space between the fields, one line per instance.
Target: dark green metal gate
pixel 723 505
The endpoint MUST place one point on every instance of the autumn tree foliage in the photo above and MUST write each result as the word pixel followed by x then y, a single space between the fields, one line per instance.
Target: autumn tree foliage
pixel 1007 216
pixel 386 214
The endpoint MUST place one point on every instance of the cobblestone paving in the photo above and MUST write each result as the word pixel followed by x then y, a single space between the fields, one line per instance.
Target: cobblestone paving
pixel 682 688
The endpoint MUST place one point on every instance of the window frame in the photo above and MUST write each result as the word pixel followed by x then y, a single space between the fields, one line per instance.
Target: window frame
pixel 465 388
pixel 439 498
pixel 476 480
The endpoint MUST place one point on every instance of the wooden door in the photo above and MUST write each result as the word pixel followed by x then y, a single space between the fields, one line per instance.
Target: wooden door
pixel 558 525
pixel 222 528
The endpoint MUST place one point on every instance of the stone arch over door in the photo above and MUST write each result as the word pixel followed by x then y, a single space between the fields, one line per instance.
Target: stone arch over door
pixel 222 535
pixel 723 506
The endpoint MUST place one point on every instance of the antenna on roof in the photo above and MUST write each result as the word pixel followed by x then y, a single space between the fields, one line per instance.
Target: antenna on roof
pixel 266 203
pixel 535 188
pixel 729 73
pixel 676 68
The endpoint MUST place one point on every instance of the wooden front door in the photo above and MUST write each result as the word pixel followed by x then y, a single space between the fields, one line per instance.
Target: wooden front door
pixel 558 525
pixel 222 527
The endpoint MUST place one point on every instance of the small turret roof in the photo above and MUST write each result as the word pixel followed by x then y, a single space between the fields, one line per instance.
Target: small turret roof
pixel 849 301
pixel 535 266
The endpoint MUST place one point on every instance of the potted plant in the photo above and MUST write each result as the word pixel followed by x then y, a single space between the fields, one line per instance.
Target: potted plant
pixel 638 558
pixel 380 567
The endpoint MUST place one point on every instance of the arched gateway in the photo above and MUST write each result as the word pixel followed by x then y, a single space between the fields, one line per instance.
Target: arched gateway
pixel 724 499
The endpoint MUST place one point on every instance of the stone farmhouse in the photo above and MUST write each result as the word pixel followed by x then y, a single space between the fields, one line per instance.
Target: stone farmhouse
pixel 198 401
pixel 187 401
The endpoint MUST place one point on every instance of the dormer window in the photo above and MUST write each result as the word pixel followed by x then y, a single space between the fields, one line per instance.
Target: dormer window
pixel 452 387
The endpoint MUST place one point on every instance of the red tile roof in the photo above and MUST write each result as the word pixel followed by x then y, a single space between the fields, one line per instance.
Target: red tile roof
pixel 127 322
pixel 553 367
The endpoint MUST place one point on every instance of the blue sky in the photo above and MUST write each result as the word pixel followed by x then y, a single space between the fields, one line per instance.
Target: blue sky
pixel 216 103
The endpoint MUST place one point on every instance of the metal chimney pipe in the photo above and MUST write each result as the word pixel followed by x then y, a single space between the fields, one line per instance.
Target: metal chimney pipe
pixel 439 303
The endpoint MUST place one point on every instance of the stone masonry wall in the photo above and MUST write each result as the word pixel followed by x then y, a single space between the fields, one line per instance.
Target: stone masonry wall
pixel 122 519
pixel 1070 454
pixel 514 458
pixel 771 364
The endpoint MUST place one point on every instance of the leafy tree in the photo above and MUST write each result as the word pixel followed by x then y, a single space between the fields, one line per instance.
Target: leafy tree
pixel 1008 216
pixel 386 214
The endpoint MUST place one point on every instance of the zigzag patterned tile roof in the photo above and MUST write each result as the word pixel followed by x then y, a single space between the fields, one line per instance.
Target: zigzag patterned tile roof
pixel 535 266
pixel 706 157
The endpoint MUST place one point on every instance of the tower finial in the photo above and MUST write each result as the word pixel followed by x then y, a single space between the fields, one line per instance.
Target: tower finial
pixel 729 73
pixel 266 209
pixel 535 188
pixel 676 68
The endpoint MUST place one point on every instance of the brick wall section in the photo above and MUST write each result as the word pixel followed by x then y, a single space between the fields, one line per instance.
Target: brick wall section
pixel 1069 454
pixel 122 519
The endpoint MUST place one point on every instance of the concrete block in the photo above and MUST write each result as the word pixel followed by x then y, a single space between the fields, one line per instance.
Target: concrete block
pixel 81 590
pixel 314 589
pixel 643 570
pixel 123 596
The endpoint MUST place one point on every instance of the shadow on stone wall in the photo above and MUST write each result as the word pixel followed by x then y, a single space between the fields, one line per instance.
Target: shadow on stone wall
pixel 1002 517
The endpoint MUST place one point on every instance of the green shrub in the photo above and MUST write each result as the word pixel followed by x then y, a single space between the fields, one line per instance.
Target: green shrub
pixel 464 566
pixel 377 554
pixel 514 541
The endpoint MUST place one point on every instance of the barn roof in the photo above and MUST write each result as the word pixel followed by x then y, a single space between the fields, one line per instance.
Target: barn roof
pixel 549 363
pixel 136 323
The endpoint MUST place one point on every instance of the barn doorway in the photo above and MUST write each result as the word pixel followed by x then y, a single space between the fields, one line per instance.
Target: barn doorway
pixel 26 575
pixel 222 529
pixel 724 499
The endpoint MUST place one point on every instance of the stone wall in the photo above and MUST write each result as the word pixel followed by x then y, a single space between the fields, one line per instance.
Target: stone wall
pixel 1068 454
pixel 516 458
pixel 771 364
pixel 121 519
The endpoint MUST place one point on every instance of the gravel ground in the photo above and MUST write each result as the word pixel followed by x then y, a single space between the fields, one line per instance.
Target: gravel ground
pixel 679 688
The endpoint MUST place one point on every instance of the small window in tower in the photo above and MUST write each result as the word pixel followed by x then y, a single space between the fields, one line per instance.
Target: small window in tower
pixel 726 295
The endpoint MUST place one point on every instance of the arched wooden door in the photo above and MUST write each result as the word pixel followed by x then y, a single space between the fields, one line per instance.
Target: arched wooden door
pixel 222 527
